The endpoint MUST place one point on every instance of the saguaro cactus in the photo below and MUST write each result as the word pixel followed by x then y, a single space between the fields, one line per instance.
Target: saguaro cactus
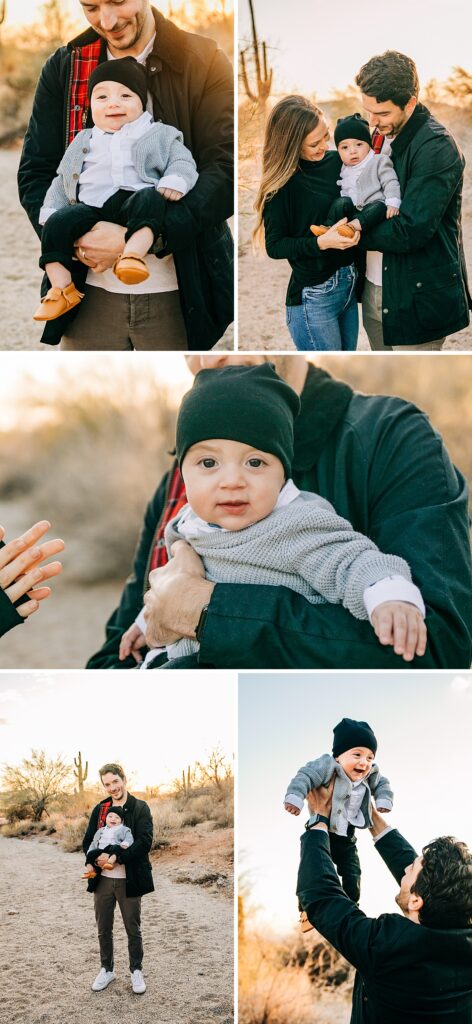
pixel 264 74
pixel 80 773
pixel 186 781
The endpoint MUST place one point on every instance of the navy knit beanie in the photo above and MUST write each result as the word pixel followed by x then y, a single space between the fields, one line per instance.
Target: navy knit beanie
pixel 353 127
pixel 348 734
pixel 125 70
pixel 251 404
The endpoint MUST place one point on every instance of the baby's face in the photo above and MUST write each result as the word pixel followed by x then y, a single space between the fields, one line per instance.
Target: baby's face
pixel 112 819
pixel 114 105
pixel 356 762
pixel 353 151
pixel 231 484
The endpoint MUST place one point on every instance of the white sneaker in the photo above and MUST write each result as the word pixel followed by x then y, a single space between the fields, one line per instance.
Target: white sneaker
pixel 138 982
pixel 103 979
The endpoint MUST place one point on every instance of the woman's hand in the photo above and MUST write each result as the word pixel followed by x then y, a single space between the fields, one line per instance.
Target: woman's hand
pixel 333 240
pixel 100 248
pixel 20 567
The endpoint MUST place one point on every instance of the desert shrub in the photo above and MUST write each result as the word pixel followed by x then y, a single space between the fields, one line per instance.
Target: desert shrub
pixel 19 812
pixel 25 827
pixel 72 834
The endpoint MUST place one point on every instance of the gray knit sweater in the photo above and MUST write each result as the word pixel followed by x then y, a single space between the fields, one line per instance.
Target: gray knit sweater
pixel 377 181
pixel 159 151
pixel 304 546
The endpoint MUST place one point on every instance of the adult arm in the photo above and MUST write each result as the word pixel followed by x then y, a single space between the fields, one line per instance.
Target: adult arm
pixel 132 596
pixel 212 200
pixel 21 570
pixel 43 145
pixel 435 174
pixel 91 830
pixel 396 853
pixel 9 616
pixel 142 832
pixel 280 244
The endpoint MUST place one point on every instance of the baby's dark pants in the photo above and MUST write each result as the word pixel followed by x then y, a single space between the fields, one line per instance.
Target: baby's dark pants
pixel 134 210
pixel 370 215
pixel 346 860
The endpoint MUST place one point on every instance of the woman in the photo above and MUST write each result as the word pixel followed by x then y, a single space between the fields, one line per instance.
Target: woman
pixel 20 570
pixel 299 183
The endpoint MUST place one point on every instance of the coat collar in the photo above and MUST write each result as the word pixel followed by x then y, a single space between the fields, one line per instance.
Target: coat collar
pixel 167 44
pixel 323 404
pixel 418 118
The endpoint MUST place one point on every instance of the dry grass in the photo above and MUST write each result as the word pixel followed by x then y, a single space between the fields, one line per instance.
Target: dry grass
pixel 205 804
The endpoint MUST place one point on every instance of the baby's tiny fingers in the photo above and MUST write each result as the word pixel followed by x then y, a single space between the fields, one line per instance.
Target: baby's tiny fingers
pixel 422 638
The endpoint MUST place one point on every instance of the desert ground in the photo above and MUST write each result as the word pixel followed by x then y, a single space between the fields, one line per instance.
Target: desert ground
pixel 19 269
pixel 48 928
pixel 262 314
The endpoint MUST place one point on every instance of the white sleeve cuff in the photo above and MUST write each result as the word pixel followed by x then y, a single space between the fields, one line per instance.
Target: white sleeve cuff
pixel 293 798
pixel 392 588
pixel 141 621
pixel 44 213
pixel 393 201
pixel 384 833
pixel 173 181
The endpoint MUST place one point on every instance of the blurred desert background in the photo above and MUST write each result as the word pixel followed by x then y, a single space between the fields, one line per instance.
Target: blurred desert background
pixel 179 758
pixel 29 32
pixel 285 720
pixel 85 440
pixel 293 48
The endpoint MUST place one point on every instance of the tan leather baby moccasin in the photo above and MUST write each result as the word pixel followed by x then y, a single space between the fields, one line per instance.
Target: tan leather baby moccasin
pixel 58 301
pixel 131 269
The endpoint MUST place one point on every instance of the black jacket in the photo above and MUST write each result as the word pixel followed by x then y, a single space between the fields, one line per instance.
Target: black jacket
pixel 9 616
pixel 384 468
pixel 407 973
pixel 191 82
pixel 424 281
pixel 137 817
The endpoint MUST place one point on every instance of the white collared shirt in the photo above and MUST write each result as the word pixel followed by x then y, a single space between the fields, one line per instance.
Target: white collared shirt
pixel 109 166
pixel 374 259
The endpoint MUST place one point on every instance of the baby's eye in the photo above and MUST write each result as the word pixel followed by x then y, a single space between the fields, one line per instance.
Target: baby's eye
pixel 255 463
pixel 208 463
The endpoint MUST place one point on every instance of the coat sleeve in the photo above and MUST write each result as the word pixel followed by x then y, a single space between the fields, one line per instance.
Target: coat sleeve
pixel 396 853
pixel 43 145
pixel 382 791
pixel 180 163
pixel 435 174
pixel 311 776
pixel 142 841
pixel 212 200
pixel 413 502
pixel 132 596
pixel 328 908
pixel 91 830
pixel 9 617
pixel 279 242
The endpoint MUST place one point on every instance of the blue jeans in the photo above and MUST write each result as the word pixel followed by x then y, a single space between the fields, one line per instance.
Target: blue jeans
pixel 328 318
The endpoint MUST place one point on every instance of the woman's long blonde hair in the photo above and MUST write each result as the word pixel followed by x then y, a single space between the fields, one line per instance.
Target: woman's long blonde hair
pixel 290 121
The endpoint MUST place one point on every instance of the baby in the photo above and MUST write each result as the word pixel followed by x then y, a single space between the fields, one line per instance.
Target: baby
pixel 250 524
pixel 357 779
pixel 370 190
pixel 111 173
pixel 113 833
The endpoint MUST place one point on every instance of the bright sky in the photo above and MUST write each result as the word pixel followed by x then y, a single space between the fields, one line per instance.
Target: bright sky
pixel 153 730
pixel 22 11
pixel 423 724
pixel 163 368
pixel 315 47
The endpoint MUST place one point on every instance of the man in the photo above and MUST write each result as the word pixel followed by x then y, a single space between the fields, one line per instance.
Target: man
pixel 383 467
pixel 416 288
pixel 414 968
pixel 130 879
pixel 190 86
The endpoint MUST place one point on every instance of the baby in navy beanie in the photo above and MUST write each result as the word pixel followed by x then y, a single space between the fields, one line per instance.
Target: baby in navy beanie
pixel 357 780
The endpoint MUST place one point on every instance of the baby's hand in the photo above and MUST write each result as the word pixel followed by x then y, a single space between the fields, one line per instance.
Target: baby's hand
pixel 400 624
pixel 292 809
pixel 130 643
pixel 392 211
pixel 170 193
pixel 383 810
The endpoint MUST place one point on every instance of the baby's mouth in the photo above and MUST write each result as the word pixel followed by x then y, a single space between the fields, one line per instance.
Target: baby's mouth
pixel 233 507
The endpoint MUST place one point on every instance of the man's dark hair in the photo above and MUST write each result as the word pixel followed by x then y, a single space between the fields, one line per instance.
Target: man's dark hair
pixel 391 76
pixel 114 768
pixel 445 884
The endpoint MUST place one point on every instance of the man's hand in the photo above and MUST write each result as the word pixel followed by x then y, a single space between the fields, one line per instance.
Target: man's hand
pixel 101 860
pixel 401 625
pixel 178 593
pixel 100 248
pixel 378 823
pixel 20 567
pixel 320 800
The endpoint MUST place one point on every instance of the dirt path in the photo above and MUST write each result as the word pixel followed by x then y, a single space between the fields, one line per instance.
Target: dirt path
pixel 19 271
pixel 262 312
pixel 48 931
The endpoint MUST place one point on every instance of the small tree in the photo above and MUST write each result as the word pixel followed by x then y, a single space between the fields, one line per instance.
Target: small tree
pixel 217 769
pixel 37 780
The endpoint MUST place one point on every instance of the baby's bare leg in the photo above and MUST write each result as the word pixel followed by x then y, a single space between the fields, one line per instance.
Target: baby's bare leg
pixel 139 243
pixel 58 275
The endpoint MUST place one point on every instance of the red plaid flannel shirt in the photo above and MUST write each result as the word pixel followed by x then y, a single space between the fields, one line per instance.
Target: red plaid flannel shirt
pixel 84 61
pixel 377 140
pixel 176 499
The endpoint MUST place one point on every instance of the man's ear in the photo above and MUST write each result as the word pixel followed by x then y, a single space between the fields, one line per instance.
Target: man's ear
pixel 415 903
pixel 410 106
